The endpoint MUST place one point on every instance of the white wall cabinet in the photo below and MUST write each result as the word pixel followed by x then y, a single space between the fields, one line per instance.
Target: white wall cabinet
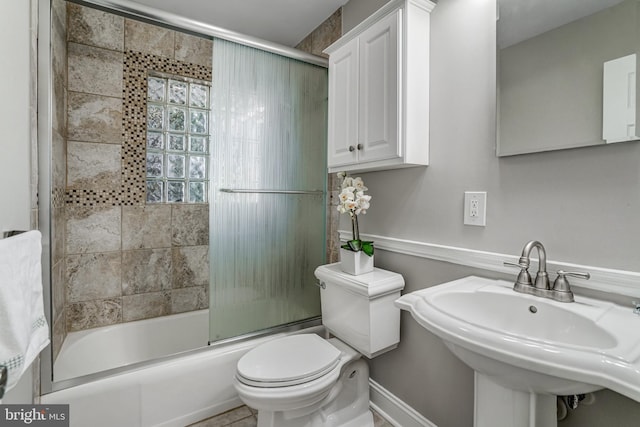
pixel 379 91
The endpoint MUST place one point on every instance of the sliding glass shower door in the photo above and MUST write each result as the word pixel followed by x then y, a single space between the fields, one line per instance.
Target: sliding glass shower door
pixel 268 178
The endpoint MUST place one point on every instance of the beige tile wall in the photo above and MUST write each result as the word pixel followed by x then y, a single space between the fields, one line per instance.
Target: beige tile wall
pixel 124 260
pixel 59 169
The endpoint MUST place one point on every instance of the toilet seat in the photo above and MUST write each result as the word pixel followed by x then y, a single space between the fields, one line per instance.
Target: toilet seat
pixel 288 361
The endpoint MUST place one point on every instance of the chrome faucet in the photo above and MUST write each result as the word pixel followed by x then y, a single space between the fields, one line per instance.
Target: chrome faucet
pixel 560 291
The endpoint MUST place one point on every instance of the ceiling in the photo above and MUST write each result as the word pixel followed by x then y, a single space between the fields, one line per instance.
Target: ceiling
pixel 286 22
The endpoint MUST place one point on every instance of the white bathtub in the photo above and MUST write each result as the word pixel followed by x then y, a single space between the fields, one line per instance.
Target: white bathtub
pixel 108 347
pixel 175 392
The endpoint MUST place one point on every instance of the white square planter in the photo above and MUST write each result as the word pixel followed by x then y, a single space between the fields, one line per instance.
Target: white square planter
pixel 355 263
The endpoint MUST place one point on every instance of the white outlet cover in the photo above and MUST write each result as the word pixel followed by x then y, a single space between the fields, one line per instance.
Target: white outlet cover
pixel 472 198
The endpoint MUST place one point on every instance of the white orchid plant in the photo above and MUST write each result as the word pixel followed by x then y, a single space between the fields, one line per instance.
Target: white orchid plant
pixel 353 201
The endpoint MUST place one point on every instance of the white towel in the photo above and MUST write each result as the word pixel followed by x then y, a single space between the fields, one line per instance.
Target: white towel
pixel 24 332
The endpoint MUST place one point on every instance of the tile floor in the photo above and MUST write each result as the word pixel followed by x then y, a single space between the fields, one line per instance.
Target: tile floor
pixel 246 417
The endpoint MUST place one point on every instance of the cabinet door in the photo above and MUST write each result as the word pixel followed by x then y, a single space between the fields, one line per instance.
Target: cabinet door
pixel 343 106
pixel 379 88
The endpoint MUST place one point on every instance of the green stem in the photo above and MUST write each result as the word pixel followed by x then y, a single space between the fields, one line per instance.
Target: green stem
pixel 353 226
pixel 356 235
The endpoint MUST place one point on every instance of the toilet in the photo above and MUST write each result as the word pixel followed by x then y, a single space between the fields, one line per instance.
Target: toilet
pixel 304 380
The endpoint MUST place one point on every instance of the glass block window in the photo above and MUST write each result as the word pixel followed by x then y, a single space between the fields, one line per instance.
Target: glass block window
pixel 177 140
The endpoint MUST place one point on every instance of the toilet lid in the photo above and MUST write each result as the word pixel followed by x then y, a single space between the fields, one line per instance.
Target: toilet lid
pixel 286 361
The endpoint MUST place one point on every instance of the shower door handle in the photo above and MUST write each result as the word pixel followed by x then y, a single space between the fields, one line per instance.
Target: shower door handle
pixel 258 191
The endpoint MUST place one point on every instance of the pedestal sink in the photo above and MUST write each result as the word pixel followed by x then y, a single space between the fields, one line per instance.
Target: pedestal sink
pixel 525 350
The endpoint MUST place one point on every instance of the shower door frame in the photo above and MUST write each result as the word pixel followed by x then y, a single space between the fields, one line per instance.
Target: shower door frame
pixel 44 99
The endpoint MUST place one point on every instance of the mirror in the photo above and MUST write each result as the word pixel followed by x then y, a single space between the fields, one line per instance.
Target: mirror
pixel 566 74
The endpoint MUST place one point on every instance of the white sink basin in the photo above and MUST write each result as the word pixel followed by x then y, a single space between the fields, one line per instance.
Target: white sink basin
pixel 532 344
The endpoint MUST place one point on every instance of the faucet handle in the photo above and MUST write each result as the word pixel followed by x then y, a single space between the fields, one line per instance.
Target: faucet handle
pixel 524 278
pixel 561 283
pixel 578 274
pixel 513 264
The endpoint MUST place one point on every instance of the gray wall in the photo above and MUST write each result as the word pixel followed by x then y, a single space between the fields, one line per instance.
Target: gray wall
pixel 582 204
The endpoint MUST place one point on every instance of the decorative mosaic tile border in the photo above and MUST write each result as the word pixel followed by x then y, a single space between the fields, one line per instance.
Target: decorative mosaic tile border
pixel 136 69
pixel 91 197
pixel 58 198
pixel 137 66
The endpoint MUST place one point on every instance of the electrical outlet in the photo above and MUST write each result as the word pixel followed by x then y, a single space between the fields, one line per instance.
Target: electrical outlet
pixel 475 208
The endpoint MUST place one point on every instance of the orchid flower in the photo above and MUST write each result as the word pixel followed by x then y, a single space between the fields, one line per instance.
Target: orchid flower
pixel 353 201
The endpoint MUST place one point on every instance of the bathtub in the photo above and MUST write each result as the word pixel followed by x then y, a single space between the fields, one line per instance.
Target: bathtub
pixel 99 349
pixel 176 391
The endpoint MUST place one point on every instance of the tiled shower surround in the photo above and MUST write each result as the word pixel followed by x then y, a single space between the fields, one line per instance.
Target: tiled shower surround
pixel 123 260
pixel 116 258
pixel 58 169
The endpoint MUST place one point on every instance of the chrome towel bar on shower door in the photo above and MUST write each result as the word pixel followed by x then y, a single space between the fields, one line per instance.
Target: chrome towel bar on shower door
pixel 243 190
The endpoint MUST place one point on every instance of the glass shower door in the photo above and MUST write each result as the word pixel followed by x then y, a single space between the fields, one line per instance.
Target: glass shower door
pixel 268 178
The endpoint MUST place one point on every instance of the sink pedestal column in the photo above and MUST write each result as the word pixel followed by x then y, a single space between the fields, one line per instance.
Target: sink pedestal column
pixel 499 406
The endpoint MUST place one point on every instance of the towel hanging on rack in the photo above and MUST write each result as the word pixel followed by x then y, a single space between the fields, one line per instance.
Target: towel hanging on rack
pixel 24 331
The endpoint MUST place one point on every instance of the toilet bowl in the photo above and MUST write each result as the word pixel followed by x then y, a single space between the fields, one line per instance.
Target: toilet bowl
pixel 309 391
pixel 306 381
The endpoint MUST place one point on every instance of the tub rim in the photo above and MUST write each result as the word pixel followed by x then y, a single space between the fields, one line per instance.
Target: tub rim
pixel 311 323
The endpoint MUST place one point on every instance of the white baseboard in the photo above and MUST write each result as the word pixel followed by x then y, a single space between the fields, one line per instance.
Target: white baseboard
pixel 619 282
pixel 393 409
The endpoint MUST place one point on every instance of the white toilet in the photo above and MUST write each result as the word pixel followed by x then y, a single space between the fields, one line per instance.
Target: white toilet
pixel 306 381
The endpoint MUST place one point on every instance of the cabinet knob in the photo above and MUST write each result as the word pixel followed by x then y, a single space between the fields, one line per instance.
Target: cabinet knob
pixel 360 146
pixel 352 148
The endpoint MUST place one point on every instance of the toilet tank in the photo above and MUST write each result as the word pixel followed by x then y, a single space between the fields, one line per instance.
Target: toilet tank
pixel 359 310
